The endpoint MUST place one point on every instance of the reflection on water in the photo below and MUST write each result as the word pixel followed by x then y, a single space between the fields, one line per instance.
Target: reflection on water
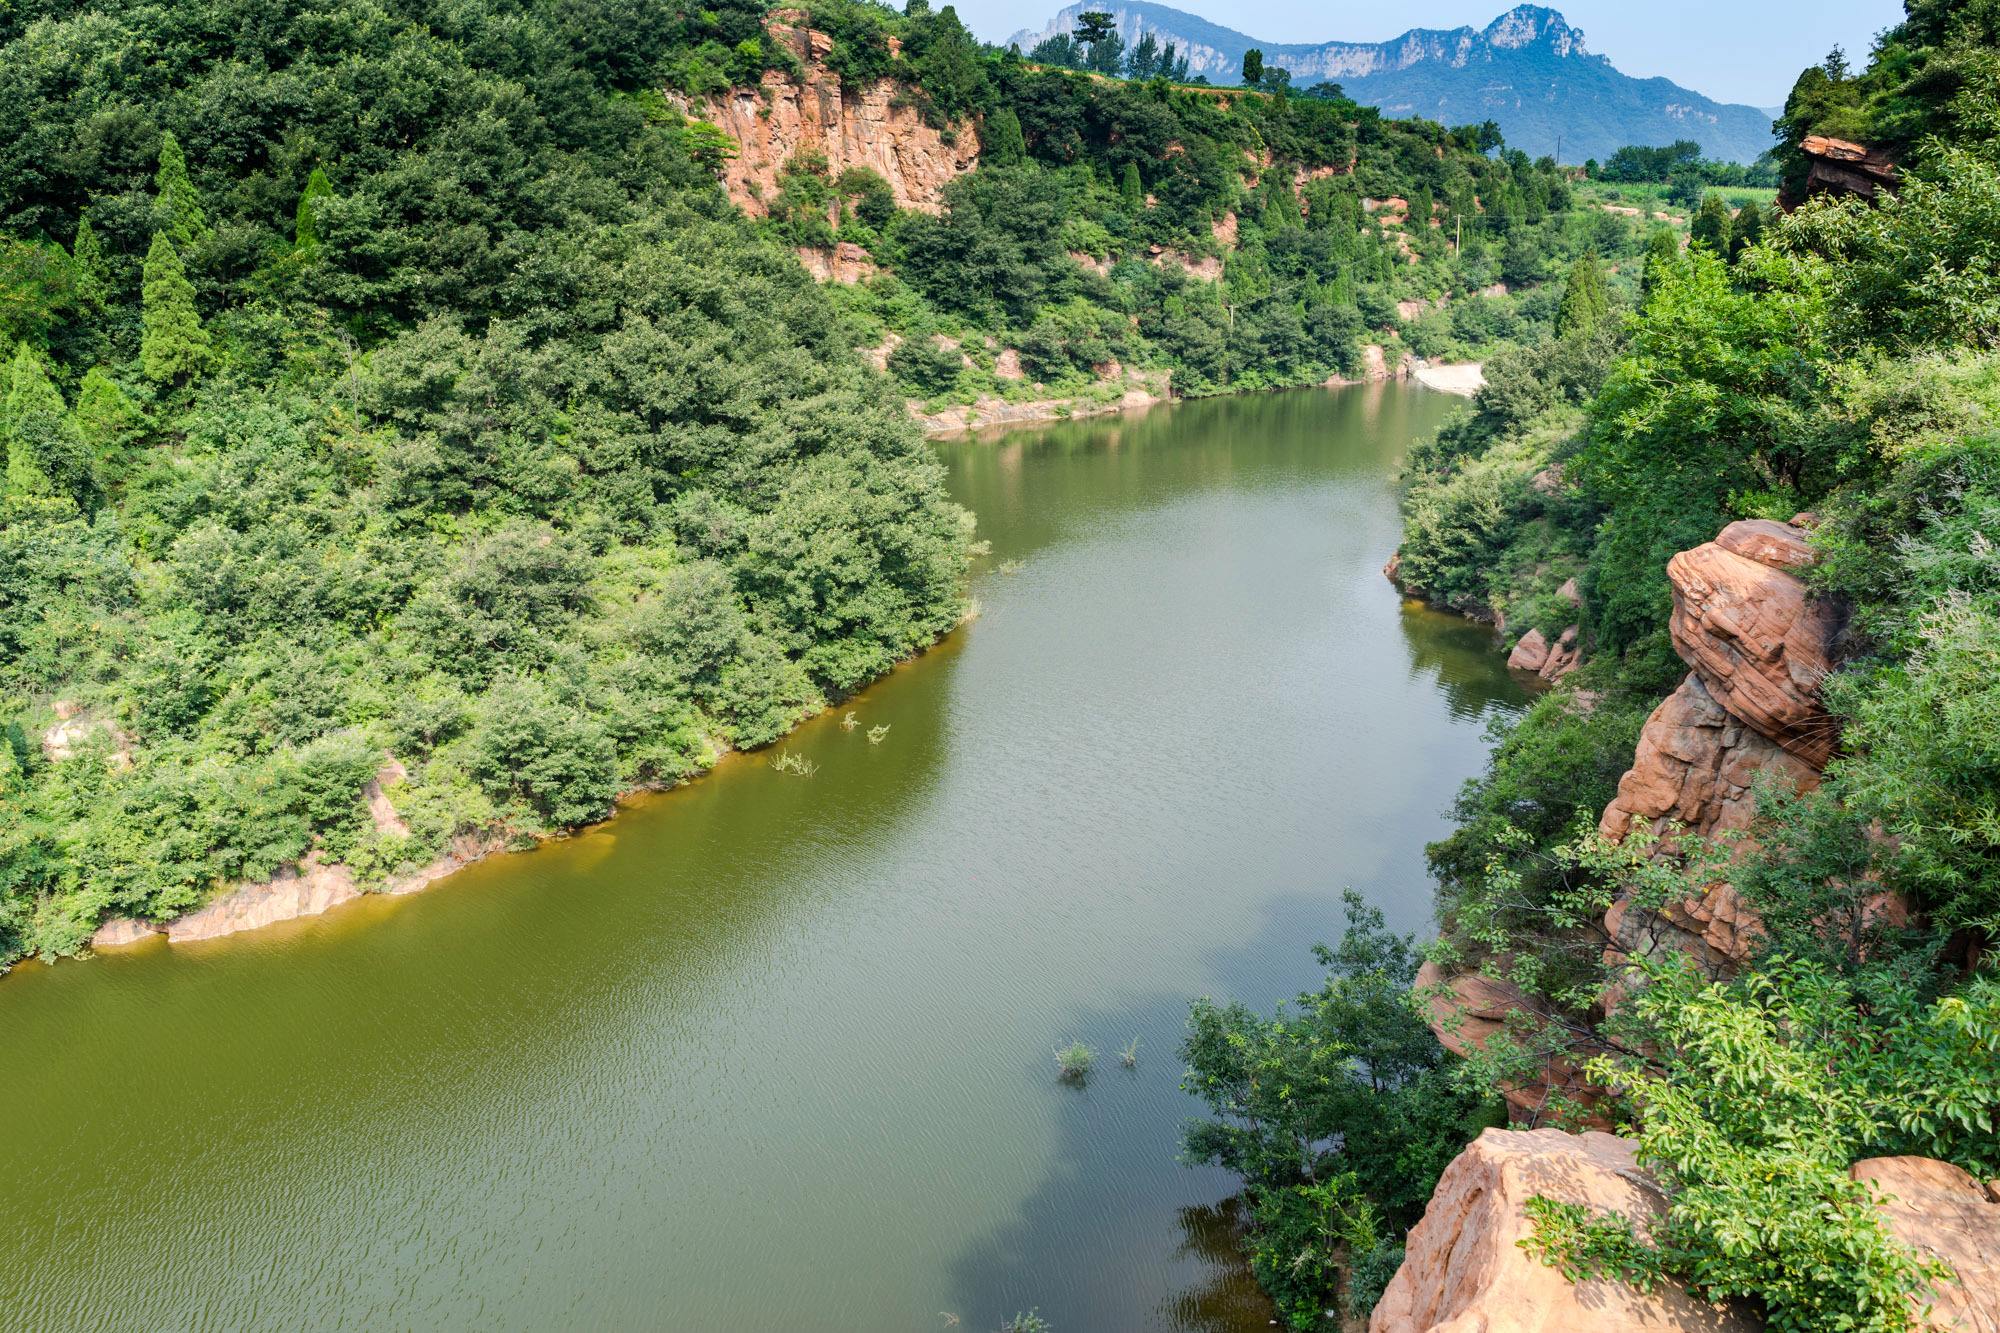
pixel 773 1052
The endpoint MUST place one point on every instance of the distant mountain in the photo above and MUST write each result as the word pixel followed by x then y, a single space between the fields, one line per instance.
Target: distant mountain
pixel 1527 69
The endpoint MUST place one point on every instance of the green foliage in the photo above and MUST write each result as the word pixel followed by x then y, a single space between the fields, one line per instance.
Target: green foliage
pixel 175 346
pixel 182 220
pixel 1713 226
pixel 305 226
pixel 522 456
pixel 1753 1100
pixel 1586 301
pixel 1339 1114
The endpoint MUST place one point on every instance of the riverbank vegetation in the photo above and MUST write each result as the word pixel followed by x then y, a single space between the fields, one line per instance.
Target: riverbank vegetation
pixel 1843 363
pixel 1840 364
pixel 387 382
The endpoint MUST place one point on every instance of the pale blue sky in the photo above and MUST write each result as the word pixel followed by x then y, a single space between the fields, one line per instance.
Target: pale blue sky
pixel 1733 50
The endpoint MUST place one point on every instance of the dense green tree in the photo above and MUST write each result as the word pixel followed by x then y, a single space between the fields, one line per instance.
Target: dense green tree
pixel 1253 68
pixel 175 346
pixel 305 225
pixel 182 217
pixel 1001 142
pixel 1712 226
pixel 1586 301
pixel 31 419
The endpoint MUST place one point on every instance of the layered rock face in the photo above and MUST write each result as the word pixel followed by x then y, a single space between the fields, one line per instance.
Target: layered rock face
pixel 813 114
pixel 1466 1273
pixel 1758 646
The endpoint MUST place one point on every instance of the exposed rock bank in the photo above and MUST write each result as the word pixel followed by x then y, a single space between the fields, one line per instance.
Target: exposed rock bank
pixel 812 114
pixel 1465 1271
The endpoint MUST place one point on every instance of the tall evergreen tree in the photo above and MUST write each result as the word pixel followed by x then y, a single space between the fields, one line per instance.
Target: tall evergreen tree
pixel 93 273
pixel 179 204
pixel 1661 249
pixel 1586 301
pixel 1253 67
pixel 106 419
pixel 1000 140
pixel 1711 226
pixel 173 345
pixel 1747 230
pixel 305 228
pixel 1131 189
pixel 32 422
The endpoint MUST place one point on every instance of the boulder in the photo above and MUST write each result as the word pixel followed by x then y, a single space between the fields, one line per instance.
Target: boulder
pixel 1936 1208
pixel 1745 623
pixel 1564 655
pixel 1465 1271
pixel 1531 653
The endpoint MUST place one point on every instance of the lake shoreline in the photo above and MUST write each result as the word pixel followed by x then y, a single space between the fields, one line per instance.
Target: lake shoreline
pixel 311 889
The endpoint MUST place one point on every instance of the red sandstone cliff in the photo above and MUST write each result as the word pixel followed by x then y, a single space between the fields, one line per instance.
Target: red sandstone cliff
pixel 871 127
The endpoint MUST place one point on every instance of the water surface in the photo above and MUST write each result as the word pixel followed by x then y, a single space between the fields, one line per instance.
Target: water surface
pixel 773 1052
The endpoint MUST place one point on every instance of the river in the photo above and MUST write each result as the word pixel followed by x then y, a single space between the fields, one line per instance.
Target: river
pixel 774 1052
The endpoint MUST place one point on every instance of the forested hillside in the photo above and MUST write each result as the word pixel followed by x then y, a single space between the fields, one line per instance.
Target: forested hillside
pixel 1230 240
pixel 1773 957
pixel 387 380
pixel 393 401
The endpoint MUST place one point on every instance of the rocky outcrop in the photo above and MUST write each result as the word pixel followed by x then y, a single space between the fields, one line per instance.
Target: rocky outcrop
pixel 1745 623
pixel 1535 655
pixel 1694 768
pixel 1758 645
pixel 1468 1010
pixel 1465 1271
pixel 812 114
pixel 844 262
pixel 1938 1209
pixel 1835 166
pixel 74 726
pixel 305 890
pixel 989 411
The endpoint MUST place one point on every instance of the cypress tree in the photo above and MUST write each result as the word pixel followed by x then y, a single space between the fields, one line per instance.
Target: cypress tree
pixel 173 344
pixel 105 417
pixel 1711 226
pixel 1747 231
pixel 1661 249
pixel 306 229
pixel 32 421
pixel 1131 189
pixel 93 274
pixel 179 204
pixel 1001 141
pixel 1586 302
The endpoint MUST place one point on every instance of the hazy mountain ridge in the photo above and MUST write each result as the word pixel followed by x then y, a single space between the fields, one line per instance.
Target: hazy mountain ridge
pixel 1528 69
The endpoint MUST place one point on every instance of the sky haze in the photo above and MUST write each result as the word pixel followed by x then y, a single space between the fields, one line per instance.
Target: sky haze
pixel 1733 52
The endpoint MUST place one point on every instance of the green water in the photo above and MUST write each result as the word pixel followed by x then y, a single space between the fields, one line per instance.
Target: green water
pixel 774 1052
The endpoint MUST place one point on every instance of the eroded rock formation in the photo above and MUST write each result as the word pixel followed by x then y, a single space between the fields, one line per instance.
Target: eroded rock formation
pixel 1759 646
pixel 813 114
pixel 1465 1271
pixel 1835 166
